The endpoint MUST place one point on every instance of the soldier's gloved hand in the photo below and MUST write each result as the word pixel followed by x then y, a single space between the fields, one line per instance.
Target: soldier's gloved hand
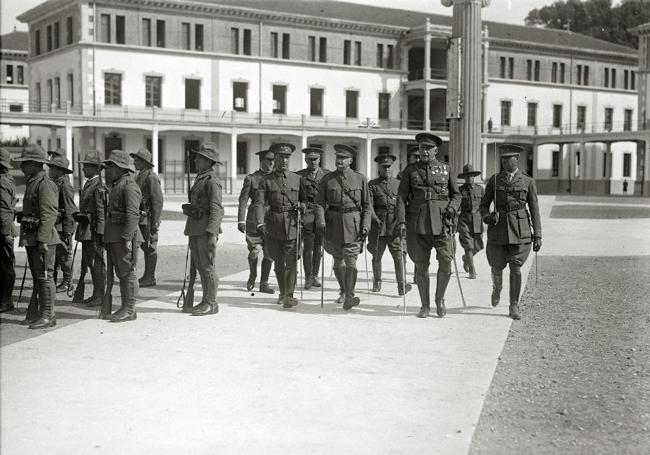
pixel 320 229
pixel 42 248
pixel 241 227
pixel 450 212
pixel 492 218
pixel 212 241
pixel 363 234
pixel 401 230
pixel 153 230
pixel 537 244
pixel 261 230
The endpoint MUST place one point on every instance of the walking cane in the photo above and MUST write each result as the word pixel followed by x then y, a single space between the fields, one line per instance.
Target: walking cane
pixel 453 248
pixel 298 267
pixel 365 255
pixel 536 269
pixel 401 255
pixel 322 271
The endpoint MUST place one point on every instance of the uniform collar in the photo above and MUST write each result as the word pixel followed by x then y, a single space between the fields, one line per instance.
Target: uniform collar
pixel 38 175
pixel 263 172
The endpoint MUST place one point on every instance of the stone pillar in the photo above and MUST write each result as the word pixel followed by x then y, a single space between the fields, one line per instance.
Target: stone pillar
pixel 303 145
pixel 427 77
pixel 465 132
pixel 610 160
pixel 368 167
pixel 68 149
pixel 154 148
pixel 233 160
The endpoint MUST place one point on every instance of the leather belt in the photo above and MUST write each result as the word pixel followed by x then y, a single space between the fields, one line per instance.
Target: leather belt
pixel 281 209
pixel 435 197
pixel 338 208
pixel 502 209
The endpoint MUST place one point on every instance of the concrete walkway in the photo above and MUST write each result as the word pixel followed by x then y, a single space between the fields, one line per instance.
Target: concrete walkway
pixel 260 379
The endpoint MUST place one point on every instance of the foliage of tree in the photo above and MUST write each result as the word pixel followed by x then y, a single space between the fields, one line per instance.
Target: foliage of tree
pixel 598 18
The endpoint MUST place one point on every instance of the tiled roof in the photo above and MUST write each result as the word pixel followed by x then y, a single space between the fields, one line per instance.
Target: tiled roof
pixel 16 41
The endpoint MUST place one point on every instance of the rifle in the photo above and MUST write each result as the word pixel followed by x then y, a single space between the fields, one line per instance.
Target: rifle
pixel 70 292
pixel 322 270
pixel 298 240
pixel 188 297
pixel 78 296
pixel 107 303
pixel 403 261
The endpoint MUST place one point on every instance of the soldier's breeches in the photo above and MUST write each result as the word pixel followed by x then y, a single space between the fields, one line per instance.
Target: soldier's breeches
pixel 7 268
pixel 204 258
pixel 42 268
pixel 124 264
pixel 499 256
pixel 343 249
pixel 422 274
pixel 469 240
pixel 92 256
pixel 64 257
pixel 255 245
pixel 419 247
pixel 312 245
pixel 515 283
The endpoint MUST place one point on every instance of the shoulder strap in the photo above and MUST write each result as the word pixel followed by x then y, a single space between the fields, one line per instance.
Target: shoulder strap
pixel 348 192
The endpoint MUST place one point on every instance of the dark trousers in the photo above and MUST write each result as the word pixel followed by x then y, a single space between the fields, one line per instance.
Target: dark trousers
pixel 124 263
pixel 92 257
pixel 64 257
pixel 7 268
pixel 311 253
pixel 283 253
pixel 42 268
pixel 377 249
pixel 203 257
pixel 150 249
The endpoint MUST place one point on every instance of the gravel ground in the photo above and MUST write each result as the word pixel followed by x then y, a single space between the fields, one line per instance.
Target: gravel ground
pixel 574 375
pixel 604 212
pixel 604 199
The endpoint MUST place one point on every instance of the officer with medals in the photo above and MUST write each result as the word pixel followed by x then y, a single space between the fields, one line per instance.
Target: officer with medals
pixel 470 224
pixel 247 223
pixel 509 231
pixel 7 211
pixel 312 241
pixel 426 208
pixel 343 213
pixel 383 194
pixel 283 193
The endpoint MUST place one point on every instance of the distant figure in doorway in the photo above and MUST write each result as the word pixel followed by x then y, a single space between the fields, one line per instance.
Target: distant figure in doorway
pixel 490 125
pixel 625 184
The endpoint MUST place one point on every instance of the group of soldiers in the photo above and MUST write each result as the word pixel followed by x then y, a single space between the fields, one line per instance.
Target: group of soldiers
pixel 287 216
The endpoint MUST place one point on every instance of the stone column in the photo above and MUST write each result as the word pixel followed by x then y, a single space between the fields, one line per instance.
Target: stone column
pixel 68 149
pixel 427 76
pixel 233 160
pixel 465 132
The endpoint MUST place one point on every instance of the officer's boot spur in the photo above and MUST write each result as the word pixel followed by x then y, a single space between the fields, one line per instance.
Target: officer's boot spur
pixel 497 285
pixel 264 281
pixel 425 298
pixel 515 289
pixel 442 280
pixel 252 274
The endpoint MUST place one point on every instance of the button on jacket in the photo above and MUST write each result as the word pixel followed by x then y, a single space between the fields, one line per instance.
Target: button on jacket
pixel 248 192
pixel 123 211
pixel 41 201
pixel 281 192
pixel 206 196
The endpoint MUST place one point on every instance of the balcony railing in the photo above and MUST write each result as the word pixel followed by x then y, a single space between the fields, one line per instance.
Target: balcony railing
pixel 566 128
pixel 436 73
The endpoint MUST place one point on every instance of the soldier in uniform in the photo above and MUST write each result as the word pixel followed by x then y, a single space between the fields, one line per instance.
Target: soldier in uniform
pixel 282 192
pixel 470 224
pixel 312 242
pixel 509 225
pixel 383 194
pixel 122 236
pixel 150 212
pixel 203 226
pixel 343 214
pixel 247 223
pixel 38 234
pixel 91 220
pixel 427 205
pixel 413 156
pixel 65 224
pixel 7 209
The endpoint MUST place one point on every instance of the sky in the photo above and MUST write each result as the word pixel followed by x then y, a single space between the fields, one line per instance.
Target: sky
pixel 512 11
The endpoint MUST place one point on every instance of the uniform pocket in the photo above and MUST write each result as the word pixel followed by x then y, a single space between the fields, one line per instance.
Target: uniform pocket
pixel 524 226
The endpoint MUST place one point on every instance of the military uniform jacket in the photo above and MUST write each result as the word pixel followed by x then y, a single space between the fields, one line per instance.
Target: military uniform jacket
pixel 92 203
pixel 123 211
pixel 470 214
pixel 65 222
pixel 7 203
pixel 425 190
pixel 343 204
pixel 281 192
pixel 383 193
pixel 514 226
pixel 152 197
pixel 249 191
pixel 41 206
pixel 311 182
pixel 205 196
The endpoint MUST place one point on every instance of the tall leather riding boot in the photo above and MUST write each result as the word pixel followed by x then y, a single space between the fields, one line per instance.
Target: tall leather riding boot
pixel 279 276
pixel 128 289
pixel 33 310
pixel 497 285
pixel 350 284
pixel 470 265
pixel 339 273
pixel 46 291
pixel 290 285
pixel 121 309
pixel 315 267
pixel 515 289
pixel 442 280
pixel 264 281
pixel 252 274
pixel 423 288
pixel 402 286
pixel 98 276
pixel 149 277
pixel 210 284
pixel 376 273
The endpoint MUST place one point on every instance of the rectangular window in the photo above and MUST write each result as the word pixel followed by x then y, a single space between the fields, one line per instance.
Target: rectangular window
pixel 357 53
pixel 390 57
pixel 20 75
pixel 536 73
pixel 68 30
pixel 511 69
pixel 627 165
pixel 351 103
pixel 505 113
pixel 234 40
pixel 10 74
pixel 502 67
pixel 192 94
pixel 279 99
pixel 322 50
pixel 529 70
pixel 57 92
pixel 15 107
pixel 198 37
pixel 153 91
pixel 240 96
pixel 562 72
pixel 316 102
pixel 626 76
pixel 605 164
pixel 105 28
pixel 554 72
pixel 579 71
pixel 606 77
pixel 146 32
pixel 609 118
pixel 627 120
pixel 311 48
pixel 57 36
pixel 50 94
pixel 247 41
pixel 347 52
pixel 185 36
pixel 632 78
pixel 275 53
pixel 613 77
pixel 113 89
pixel 380 55
pixel 532 114
pixel 48 38
pixel 557 116
pixel 384 104
pixel 71 89
pixel 286 45
pixel 585 75
pixel 582 117
pixel 120 30
pixel 37 97
pixel 242 157
pixel 37 42
pixel 555 164
pixel 160 33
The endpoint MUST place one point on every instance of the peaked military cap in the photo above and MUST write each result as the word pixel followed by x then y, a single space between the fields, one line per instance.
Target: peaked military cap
pixel 121 159
pixel 209 151
pixel 91 157
pixel 58 152
pixel 428 139
pixel 468 171
pixel 385 159
pixel 282 148
pixel 144 155
pixel 61 162
pixel 33 152
pixel 507 150
pixel 266 154
pixel 345 150
pixel 312 152
pixel 5 158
